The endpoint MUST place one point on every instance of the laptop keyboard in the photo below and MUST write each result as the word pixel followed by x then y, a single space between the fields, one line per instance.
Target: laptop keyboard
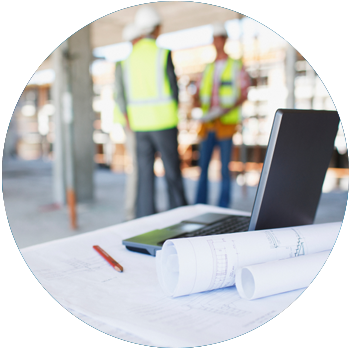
pixel 232 224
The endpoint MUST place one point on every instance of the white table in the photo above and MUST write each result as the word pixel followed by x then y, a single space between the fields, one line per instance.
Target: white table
pixel 131 305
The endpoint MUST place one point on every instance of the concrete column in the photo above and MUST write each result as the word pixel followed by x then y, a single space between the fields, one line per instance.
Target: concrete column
pixel 291 59
pixel 72 93
pixel 83 117
pixel 59 86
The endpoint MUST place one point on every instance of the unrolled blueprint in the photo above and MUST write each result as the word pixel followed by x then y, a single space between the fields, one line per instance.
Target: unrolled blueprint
pixel 132 305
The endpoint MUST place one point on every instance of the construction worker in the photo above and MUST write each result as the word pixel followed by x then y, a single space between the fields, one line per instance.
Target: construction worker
pixel 151 94
pixel 221 92
pixel 132 34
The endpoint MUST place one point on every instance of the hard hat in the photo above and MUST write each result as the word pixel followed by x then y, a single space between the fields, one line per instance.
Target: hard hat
pixel 147 18
pixel 219 29
pixel 131 32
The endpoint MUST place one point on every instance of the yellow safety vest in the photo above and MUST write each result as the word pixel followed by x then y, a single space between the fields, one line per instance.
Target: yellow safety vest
pixel 150 105
pixel 229 91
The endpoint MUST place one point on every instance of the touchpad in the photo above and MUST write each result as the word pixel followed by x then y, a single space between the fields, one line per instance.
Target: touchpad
pixel 184 227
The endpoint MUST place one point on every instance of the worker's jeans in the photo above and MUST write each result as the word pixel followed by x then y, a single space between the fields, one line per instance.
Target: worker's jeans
pixel 206 150
pixel 147 145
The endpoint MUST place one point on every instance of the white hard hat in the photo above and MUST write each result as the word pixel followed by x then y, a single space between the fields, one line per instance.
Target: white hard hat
pixel 131 32
pixel 147 18
pixel 219 29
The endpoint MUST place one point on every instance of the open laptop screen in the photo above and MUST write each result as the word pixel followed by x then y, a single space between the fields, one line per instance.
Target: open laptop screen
pixel 298 155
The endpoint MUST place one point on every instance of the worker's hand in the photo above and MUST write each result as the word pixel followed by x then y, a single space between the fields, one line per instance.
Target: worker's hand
pixel 127 121
pixel 196 101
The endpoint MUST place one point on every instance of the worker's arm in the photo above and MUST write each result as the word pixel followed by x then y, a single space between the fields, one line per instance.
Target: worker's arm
pixel 172 78
pixel 196 98
pixel 119 92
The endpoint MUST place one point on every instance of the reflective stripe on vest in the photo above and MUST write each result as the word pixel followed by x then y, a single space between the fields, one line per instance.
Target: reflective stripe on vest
pixel 229 92
pixel 150 104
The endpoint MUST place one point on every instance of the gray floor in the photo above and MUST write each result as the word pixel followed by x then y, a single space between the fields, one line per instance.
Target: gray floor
pixel 27 192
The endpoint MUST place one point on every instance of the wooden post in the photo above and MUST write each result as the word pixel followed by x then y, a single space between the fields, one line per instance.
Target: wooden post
pixel 71 201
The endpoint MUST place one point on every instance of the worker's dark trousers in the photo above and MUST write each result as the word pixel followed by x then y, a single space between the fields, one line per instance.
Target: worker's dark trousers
pixel 147 144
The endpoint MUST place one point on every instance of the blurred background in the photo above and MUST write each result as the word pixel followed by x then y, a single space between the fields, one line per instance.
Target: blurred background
pixel 35 164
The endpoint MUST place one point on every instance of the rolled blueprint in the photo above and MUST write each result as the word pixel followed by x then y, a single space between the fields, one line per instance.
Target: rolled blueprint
pixel 191 265
pixel 266 279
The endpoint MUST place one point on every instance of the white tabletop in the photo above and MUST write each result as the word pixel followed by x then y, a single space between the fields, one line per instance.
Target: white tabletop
pixel 131 305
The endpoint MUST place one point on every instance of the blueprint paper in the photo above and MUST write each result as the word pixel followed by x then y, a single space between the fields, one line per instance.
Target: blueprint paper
pixel 131 304
pixel 193 265
pixel 266 279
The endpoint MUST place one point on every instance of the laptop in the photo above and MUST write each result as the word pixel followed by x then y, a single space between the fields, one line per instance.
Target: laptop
pixel 298 154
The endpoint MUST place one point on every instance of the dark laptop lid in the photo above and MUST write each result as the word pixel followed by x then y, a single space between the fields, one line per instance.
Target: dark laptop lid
pixel 298 155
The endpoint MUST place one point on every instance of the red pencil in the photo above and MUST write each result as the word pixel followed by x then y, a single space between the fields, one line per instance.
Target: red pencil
pixel 108 258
